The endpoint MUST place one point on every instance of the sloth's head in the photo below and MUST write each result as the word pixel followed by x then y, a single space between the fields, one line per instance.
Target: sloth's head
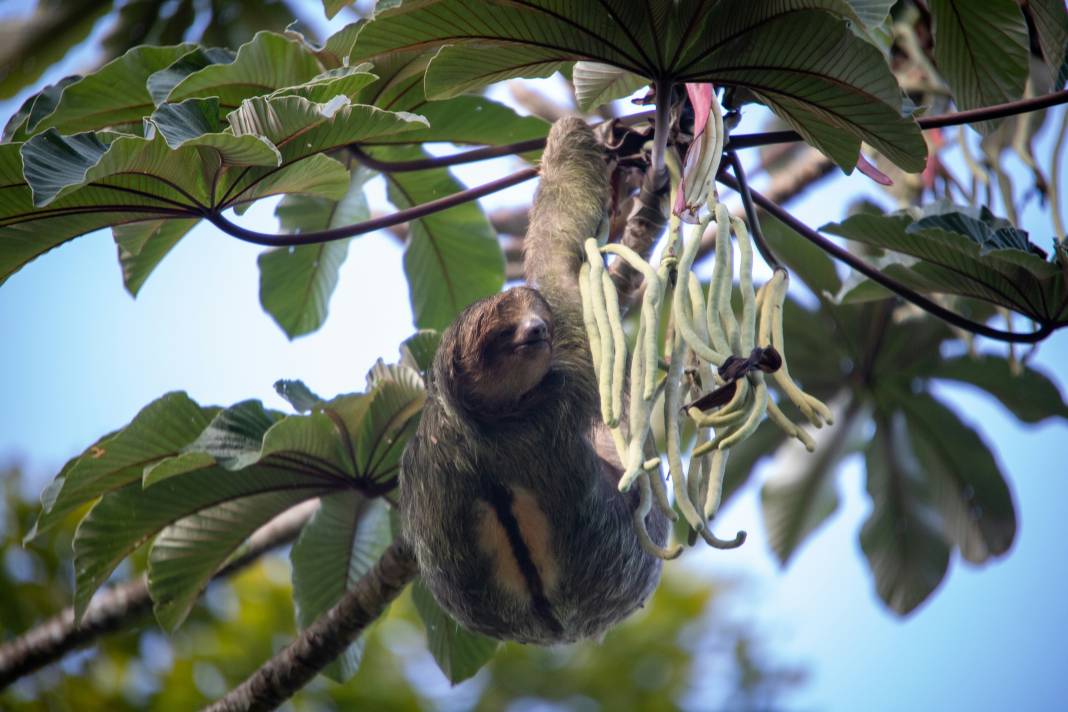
pixel 501 349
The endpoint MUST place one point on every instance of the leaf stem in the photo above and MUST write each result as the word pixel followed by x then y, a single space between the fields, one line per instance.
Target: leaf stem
pixel 1044 330
pixel 751 213
pixel 987 113
pixel 362 228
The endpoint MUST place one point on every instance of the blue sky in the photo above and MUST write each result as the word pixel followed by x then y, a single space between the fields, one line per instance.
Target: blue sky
pixel 80 357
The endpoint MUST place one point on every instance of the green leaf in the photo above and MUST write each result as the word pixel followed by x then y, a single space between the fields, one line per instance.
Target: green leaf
pixel 162 82
pixel 417 351
pixel 902 538
pixel 340 544
pixel 22 123
pixel 297 395
pixel 56 166
pixel 978 223
pixel 115 95
pixel 186 554
pixel 336 49
pixel 463 119
pixel 800 495
pixel 143 245
pixel 954 263
pixel 810 263
pixel 1031 396
pixel 597 84
pixel 982 51
pixel 125 519
pixel 1051 23
pixel 343 81
pixel 452 258
pixel 389 420
pixel 174 466
pixel 745 455
pixel 296 282
pixel 162 429
pixel 269 61
pixel 966 482
pixel 872 12
pixel 81 183
pixel 300 129
pixel 235 435
pixel 313 443
pixel 35 41
pixel 800 57
pixel 333 7
pixel 316 176
pixel 458 652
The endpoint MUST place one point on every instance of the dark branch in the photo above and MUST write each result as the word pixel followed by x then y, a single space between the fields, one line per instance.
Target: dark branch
pixel 890 283
pixel 321 642
pixel 751 214
pixel 477 154
pixel 987 113
pixel 340 233
pixel 736 142
pixel 422 164
pixel 119 606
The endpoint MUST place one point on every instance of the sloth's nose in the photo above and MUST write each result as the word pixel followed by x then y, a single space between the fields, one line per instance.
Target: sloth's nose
pixel 533 328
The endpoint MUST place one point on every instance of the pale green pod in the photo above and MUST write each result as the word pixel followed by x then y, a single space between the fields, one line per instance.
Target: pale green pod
pixel 812 408
pixel 619 346
pixel 745 286
pixel 791 428
pixel 727 320
pixel 717 469
pixel 716 333
pixel 755 417
pixel 588 318
pixel 681 302
pixel 645 505
pixel 674 445
pixel 600 312
pixel 733 410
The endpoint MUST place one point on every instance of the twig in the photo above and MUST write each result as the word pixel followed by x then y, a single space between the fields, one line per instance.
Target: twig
pixel 111 610
pixel 361 228
pixel 318 644
pixel 956 118
pixel 422 164
pixel 1044 330
pixel 751 214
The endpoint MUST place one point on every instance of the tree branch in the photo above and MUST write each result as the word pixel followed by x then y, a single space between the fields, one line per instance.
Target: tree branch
pixel 890 283
pixel 751 213
pixel 294 666
pixel 422 164
pixel 361 228
pixel 956 118
pixel 112 609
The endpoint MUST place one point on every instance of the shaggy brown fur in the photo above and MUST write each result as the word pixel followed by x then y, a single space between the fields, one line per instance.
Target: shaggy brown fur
pixel 508 489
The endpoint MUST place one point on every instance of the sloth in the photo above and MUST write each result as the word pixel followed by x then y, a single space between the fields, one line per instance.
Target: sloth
pixel 508 489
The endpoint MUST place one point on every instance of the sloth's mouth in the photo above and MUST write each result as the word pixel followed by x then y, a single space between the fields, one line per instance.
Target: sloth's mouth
pixel 532 344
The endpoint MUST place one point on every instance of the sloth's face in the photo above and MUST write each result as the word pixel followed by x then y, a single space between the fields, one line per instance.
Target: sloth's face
pixel 506 346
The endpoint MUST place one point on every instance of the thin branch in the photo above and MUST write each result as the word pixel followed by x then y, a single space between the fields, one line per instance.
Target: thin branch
pixel 751 214
pixel 890 283
pixel 660 127
pixel 805 170
pixel 361 228
pixel 987 113
pixel 321 642
pixel 117 607
pixel 422 164
pixel 477 154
